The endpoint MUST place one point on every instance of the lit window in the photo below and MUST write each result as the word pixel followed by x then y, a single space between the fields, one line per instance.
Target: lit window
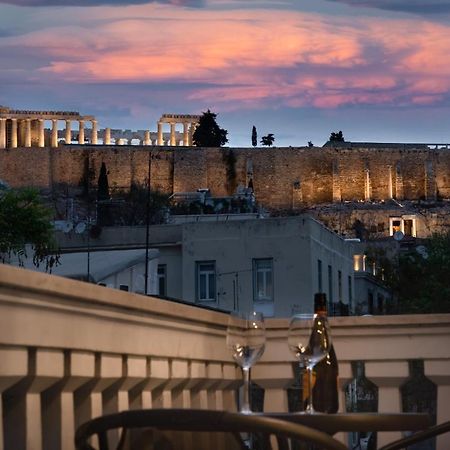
pixel 206 281
pixel 162 279
pixel 263 280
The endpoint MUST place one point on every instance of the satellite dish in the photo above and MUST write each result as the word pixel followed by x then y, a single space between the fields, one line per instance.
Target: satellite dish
pixel 67 227
pixel 422 251
pixel 80 228
pixel 398 236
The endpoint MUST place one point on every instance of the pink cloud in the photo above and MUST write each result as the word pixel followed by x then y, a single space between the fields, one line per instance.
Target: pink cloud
pixel 250 58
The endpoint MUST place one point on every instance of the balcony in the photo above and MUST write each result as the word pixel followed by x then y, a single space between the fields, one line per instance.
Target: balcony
pixel 70 351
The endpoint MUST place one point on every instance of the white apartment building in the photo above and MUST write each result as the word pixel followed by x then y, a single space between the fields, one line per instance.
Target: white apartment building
pixel 272 265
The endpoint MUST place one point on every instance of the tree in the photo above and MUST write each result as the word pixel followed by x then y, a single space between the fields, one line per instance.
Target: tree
pixel 103 197
pixel 254 137
pixel 337 137
pixel 25 221
pixel 103 185
pixel 208 133
pixel 267 140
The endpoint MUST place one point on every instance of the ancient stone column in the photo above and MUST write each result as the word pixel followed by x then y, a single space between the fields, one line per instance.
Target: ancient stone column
pixel 2 133
pixel 81 132
pixel 147 137
pixel 172 134
pixel 13 133
pixel 68 132
pixel 185 133
pixel 160 134
pixel 27 132
pixel 107 137
pixel 54 140
pixel 94 137
pixel 41 137
pixel 191 133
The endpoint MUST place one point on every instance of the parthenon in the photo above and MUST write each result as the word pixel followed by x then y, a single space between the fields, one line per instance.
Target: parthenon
pixel 189 122
pixel 24 128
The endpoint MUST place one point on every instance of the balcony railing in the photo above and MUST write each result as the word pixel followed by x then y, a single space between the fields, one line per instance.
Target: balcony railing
pixel 70 351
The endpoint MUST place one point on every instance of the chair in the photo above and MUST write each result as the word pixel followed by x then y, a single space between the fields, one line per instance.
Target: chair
pixel 193 420
pixel 420 436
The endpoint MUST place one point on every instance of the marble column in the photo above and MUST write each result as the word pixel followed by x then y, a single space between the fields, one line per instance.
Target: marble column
pixel 160 134
pixel 2 133
pixel 107 137
pixel 54 141
pixel 81 132
pixel 147 138
pixel 172 134
pixel 185 133
pixel 13 133
pixel 68 132
pixel 41 136
pixel 27 132
pixel 94 137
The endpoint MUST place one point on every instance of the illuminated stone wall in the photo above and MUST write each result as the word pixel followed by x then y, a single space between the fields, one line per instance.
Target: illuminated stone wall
pixel 282 177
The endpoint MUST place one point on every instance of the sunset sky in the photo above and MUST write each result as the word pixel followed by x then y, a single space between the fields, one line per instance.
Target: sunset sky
pixel 379 70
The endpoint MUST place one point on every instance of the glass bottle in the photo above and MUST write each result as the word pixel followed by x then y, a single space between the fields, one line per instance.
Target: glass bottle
pixel 325 390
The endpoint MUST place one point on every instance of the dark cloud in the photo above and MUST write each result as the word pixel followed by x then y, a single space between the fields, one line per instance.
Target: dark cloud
pixel 190 3
pixel 409 6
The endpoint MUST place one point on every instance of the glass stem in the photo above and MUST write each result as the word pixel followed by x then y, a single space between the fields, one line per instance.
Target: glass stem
pixel 310 408
pixel 245 407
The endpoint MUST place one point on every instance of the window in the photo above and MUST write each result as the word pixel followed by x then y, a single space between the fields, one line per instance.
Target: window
pixel 162 280
pixel 405 224
pixel 263 280
pixel 206 281
pixel 330 284
pixel 319 275
pixel 340 285
pixel 350 292
pixel 123 287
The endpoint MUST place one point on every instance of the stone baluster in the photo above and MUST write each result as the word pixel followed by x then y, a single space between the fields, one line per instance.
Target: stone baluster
pixel 94 133
pixel 173 141
pixel 13 133
pixel 41 136
pixel 147 138
pixel 160 134
pixel 68 137
pixel 107 137
pixel 24 414
pixel 81 132
pixel 2 133
pixel 388 376
pixel 185 134
pixel 27 132
pixel 59 421
pixel 54 139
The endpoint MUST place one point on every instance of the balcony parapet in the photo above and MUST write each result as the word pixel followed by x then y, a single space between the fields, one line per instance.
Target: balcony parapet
pixel 70 351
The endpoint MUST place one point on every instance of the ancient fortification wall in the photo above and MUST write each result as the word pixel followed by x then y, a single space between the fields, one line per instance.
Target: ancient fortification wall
pixel 282 177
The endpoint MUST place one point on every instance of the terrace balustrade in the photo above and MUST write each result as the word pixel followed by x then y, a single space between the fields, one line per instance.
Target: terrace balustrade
pixel 70 351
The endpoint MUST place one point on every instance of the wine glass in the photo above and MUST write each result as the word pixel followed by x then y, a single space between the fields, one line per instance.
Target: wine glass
pixel 246 338
pixel 309 340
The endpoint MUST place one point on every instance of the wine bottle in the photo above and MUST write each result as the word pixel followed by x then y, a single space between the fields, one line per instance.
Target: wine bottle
pixel 325 390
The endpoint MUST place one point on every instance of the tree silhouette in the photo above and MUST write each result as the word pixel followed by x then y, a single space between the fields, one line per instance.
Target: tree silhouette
pixel 103 185
pixel 208 133
pixel 254 137
pixel 267 140
pixel 337 137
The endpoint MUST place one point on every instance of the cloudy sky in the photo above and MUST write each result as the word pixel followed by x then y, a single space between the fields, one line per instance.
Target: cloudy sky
pixel 378 70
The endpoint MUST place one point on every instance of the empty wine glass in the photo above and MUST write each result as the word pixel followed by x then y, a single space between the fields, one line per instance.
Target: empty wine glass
pixel 309 340
pixel 246 338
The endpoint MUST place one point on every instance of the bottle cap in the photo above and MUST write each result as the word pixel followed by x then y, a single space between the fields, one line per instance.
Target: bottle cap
pixel 320 301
